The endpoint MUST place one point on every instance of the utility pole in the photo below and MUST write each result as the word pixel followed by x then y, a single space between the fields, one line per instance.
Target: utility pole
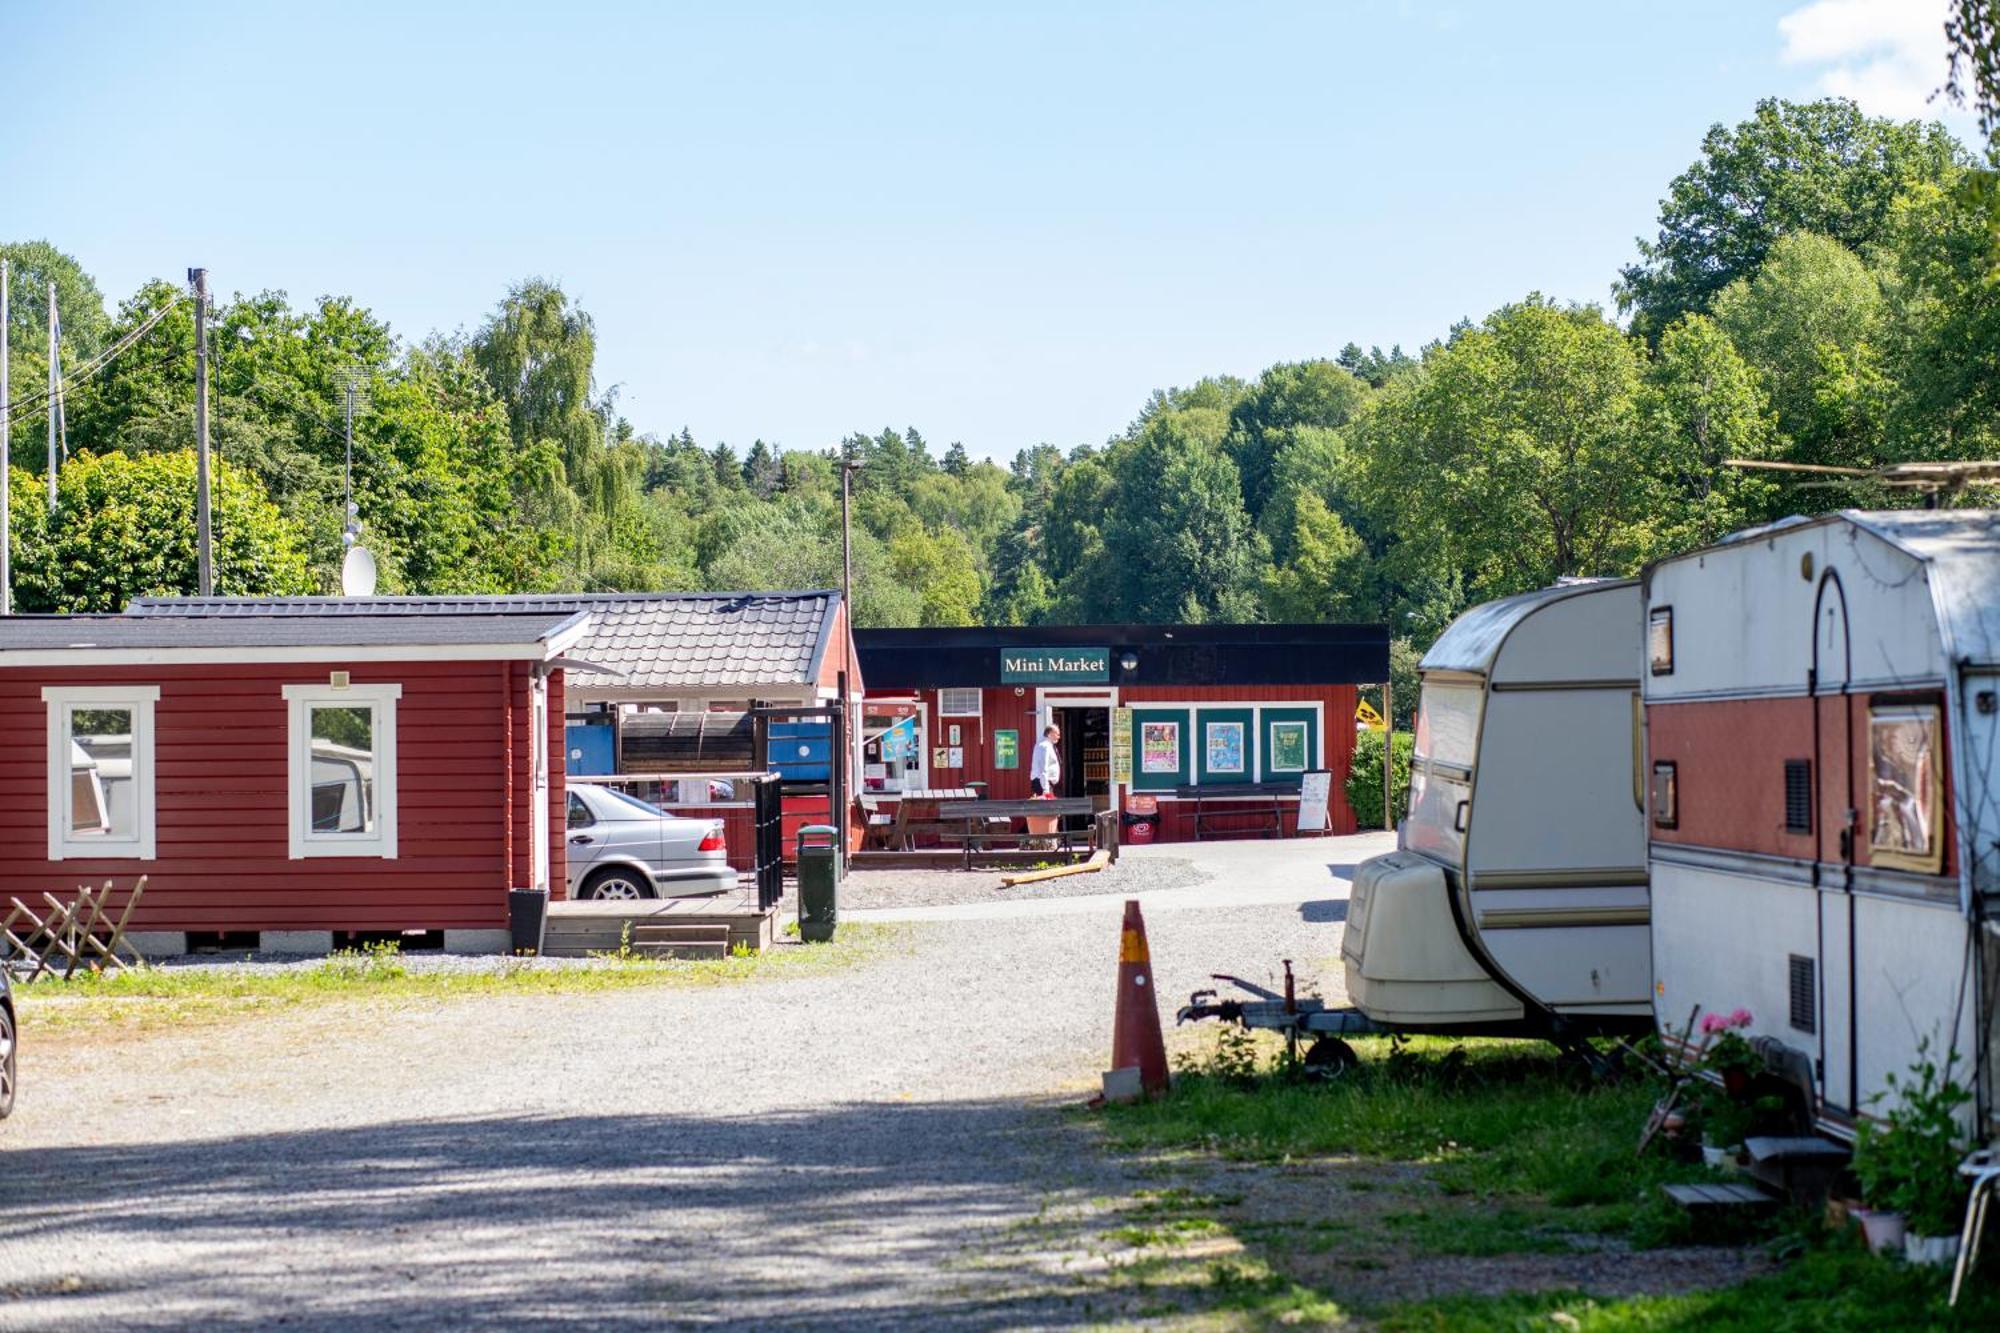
pixel 1389 755
pixel 6 464
pixel 55 394
pixel 847 466
pixel 204 557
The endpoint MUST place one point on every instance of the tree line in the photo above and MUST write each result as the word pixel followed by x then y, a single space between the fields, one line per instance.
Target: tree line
pixel 1820 289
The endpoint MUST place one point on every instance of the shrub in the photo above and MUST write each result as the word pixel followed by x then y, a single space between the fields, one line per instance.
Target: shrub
pixel 1364 777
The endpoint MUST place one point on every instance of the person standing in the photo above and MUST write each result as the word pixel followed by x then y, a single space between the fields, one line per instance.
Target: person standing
pixel 1045 769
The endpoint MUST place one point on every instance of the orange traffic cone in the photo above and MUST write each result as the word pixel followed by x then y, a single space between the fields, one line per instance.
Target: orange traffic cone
pixel 1136 1042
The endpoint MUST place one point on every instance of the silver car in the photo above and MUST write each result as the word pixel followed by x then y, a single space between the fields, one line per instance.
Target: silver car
pixel 622 848
pixel 8 1064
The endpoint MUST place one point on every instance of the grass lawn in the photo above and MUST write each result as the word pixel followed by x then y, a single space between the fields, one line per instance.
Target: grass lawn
pixel 1474 1185
pixel 149 997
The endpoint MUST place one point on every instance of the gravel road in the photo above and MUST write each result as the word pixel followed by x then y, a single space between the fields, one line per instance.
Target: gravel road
pixel 866 890
pixel 833 1151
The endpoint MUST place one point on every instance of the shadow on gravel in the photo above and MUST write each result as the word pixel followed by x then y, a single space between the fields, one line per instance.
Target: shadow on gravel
pixel 859 1216
pixel 1323 911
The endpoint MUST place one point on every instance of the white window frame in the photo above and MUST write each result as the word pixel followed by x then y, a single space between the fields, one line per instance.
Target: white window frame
pixel 978 700
pixel 63 701
pixel 300 700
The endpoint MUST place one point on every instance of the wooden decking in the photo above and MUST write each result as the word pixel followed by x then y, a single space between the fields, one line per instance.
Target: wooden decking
pixel 664 927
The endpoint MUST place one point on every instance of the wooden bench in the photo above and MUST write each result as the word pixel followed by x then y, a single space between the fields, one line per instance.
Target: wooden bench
pixel 915 814
pixel 1261 801
pixel 972 813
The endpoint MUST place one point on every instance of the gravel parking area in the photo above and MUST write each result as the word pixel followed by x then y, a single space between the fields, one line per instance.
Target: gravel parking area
pixel 866 889
pixel 844 1150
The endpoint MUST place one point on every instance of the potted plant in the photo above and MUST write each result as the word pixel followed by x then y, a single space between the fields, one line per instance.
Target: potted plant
pixel 1907 1163
pixel 1727 1113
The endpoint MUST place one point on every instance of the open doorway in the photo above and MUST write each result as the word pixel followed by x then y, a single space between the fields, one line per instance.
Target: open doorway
pixel 1086 752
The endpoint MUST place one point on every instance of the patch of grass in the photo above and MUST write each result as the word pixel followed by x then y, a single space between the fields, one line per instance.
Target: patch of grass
pixel 1834 1288
pixel 1491 1120
pixel 147 997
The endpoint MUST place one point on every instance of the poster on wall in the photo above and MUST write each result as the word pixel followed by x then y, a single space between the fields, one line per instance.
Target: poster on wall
pixel 1288 747
pixel 953 735
pixel 940 758
pixel 1225 747
pixel 1121 745
pixel 1006 749
pixel 1314 788
pixel 1906 786
pixel 956 757
pixel 1160 747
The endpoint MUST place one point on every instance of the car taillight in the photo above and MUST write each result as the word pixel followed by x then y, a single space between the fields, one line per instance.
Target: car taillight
pixel 714 842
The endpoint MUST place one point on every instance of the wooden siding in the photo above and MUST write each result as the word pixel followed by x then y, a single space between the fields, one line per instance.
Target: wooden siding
pixel 221 779
pixel 1002 710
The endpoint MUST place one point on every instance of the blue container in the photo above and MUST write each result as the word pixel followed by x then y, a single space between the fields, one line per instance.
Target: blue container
pixel 591 749
pixel 802 751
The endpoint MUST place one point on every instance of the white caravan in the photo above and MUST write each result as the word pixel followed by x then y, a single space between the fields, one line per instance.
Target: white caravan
pixel 1517 898
pixel 1822 708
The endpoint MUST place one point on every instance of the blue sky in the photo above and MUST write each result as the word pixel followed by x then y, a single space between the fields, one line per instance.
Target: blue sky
pixel 999 223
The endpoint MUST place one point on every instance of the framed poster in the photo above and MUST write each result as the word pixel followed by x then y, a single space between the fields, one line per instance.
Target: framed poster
pixel 1006 749
pixel 1160 747
pixel 1905 788
pixel 940 758
pixel 1288 747
pixel 1121 745
pixel 953 736
pixel 1224 742
pixel 957 758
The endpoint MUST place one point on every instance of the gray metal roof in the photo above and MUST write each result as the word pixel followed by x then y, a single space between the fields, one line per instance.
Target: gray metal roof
pixel 22 634
pixel 1474 640
pixel 1962 549
pixel 659 641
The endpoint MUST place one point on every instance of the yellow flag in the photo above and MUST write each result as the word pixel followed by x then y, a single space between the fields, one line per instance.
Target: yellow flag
pixel 1367 716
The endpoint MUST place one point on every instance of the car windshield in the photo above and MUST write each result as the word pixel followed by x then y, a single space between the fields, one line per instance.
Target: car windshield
pixel 629 807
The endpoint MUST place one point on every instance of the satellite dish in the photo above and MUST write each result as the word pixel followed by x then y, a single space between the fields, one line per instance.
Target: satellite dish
pixel 357 573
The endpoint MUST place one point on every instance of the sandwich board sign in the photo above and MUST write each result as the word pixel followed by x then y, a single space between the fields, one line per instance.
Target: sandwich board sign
pixel 1315 786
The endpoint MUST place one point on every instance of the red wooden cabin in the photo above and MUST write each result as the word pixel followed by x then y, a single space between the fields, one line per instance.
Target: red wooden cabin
pixel 293 777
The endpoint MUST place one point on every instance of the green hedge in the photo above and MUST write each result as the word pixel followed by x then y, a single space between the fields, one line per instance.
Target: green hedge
pixel 1364 779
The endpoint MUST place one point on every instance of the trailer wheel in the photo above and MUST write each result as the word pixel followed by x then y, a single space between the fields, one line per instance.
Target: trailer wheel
pixel 1329 1058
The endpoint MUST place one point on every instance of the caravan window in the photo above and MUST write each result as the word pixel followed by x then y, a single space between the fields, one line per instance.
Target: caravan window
pixel 100 767
pixel 1447 745
pixel 342 769
pixel 1906 788
pixel 1448 723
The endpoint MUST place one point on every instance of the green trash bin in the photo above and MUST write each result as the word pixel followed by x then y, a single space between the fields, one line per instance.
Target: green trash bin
pixel 819 873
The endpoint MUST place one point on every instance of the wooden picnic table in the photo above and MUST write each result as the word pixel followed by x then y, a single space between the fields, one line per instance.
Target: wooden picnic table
pixel 974 813
pixel 909 821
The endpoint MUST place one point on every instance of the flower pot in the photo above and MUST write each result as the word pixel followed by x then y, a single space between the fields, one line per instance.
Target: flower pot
pixel 1884 1230
pixel 1930 1251
pixel 1722 1159
pixel 1043 826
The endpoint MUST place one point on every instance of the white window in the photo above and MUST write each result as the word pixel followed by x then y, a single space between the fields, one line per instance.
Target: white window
pixel 341 778
pixel 101 770
pixel 958 703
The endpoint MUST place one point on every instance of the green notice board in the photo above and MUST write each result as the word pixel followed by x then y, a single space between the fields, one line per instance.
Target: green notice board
pixel 1006 749
pixel 1291 743
pixel 1162 748
pixel 1226 740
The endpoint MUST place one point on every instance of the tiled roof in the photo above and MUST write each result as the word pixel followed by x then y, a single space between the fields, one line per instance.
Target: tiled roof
pixel 664 641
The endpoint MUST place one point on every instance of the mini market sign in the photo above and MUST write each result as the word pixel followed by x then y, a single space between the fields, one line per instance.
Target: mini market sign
pixel 1055 666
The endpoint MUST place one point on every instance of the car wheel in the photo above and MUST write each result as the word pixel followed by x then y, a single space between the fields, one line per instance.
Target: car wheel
pixel 617 884
pixel 1329 1058
pixel 7 1064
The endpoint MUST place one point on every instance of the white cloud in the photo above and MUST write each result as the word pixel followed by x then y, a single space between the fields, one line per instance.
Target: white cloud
pixel 1888 55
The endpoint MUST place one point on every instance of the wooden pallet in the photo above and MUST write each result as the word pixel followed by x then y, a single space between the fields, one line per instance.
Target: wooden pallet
pixel 1706 1196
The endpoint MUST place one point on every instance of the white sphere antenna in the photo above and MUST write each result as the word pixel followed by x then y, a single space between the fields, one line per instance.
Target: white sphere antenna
pixel 357 573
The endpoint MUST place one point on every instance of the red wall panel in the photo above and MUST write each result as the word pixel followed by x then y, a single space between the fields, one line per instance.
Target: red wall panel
pixel 1003 710
pixel 223 859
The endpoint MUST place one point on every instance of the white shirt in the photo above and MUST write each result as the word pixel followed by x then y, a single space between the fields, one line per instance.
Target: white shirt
pixel 1047 764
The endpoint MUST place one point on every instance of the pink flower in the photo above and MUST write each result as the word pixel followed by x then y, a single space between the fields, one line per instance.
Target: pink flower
pixel 1711 1024
pixel 1740 1019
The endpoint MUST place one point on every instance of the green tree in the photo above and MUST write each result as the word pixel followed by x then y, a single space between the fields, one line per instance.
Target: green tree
pixel 1704 405
pixel 1816 166
pixel 1514 453
pixel 124 528
pixel 1323 578
pixel 1285 399
pixel 1186 550
pixel 943 570
pixel 1808 318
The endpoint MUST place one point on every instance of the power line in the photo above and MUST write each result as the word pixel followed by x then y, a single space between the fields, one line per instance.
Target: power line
pixel 95 363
